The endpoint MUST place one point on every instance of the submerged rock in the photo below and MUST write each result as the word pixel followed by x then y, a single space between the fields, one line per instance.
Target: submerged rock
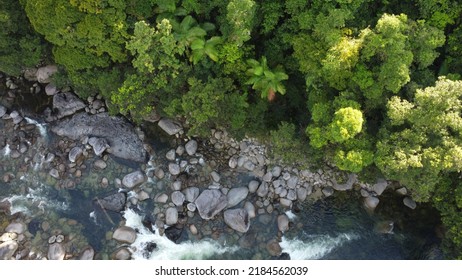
pixel 237 219
pixel 371 202
pixel 114 202
pixel 211 202
pixel 283 223
pixel 119 133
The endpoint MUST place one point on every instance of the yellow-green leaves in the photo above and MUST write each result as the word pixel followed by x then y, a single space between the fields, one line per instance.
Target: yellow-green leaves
pixel 347 122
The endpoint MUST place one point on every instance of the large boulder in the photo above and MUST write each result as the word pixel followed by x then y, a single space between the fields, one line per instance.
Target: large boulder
pixel 124 234
pixel 237 219
pixel 236 195
pixel 133 179
pixel 119 133
pixel 114 202
pixel 44 74
pixel 66 104
pixel 211 202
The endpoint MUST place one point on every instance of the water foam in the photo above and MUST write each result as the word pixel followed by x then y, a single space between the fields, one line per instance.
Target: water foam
pixel 167 249
pixel 42 127
pixel 35 202
pixel 6 150
pixel 315 247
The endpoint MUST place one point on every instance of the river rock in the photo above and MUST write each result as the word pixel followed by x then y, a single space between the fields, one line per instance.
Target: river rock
pixel 380 186
pixel 124 234
pixel 285 202
pixel 401 191
pixel 7 249
pixel 114 202
pixel 409 202
pixel 2 111
pixel 174 169
pixel 215 176
pixel 100 164
pixel 171 216
pixel 121 254
pixel 51 89
pixel 273 247
pixel 328 191
pixel 30 74
pixel 8 236
pixel 169 126
pixel 267 177
pixel 292 182
pixel 232 162
pixel 191 147
pixel 193 229
pixel 159 173
pixel 178 198
pixel 44 74
pixel 283 223
pixel 371 202
pixel 237 219
pixel 250 208
pixel 210 202
pixel 66 104
pixel 54 173
pixel 253 186
pixel 88 253
pixel 120 134
pixel 134 179
pixel 17 118
pixel 171 154
pixel 276 171
pixel 99 145
pixel 191 207
pixel 161 198
pixel 236 195
pixel 16 227
pixel 191 194
pixel 56 251
pixel 263 189
pixel 302 193
pixel 352 178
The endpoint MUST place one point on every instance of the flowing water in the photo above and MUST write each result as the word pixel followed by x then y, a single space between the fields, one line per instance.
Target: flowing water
pixel 337 227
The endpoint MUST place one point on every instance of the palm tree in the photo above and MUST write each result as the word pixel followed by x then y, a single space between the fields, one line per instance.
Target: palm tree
pixel 187 31
pixel 200 47
pixel 265 80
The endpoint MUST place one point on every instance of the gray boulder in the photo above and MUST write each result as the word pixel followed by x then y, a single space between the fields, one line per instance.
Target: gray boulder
pixel 237 219
pixel 66 104
pixel 380 186
pixel 171 216
pixel 371 202
pixel 124 234
pixel 114 202
pixel 119 133
pixel 99 145
pixel 75 153
pixel 44 74
pixel 409 202
pixel 134 179
pixel 236 195
pixel 169 126
pixel 191 147
pixel 211 202
pixel 283 223
pixel 178 198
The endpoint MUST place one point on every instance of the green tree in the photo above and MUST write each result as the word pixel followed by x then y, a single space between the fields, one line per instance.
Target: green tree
pixel 265 80
pixel 423 141
pixel 20 47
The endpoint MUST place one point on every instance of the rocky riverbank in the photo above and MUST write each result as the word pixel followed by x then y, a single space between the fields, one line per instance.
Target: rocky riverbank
pixel 199 189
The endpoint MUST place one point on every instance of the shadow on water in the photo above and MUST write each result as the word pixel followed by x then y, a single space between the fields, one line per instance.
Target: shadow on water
pixel 413 231
pixel 87 212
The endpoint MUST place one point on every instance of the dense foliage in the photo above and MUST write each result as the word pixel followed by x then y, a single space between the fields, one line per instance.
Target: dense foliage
pixel 371 86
